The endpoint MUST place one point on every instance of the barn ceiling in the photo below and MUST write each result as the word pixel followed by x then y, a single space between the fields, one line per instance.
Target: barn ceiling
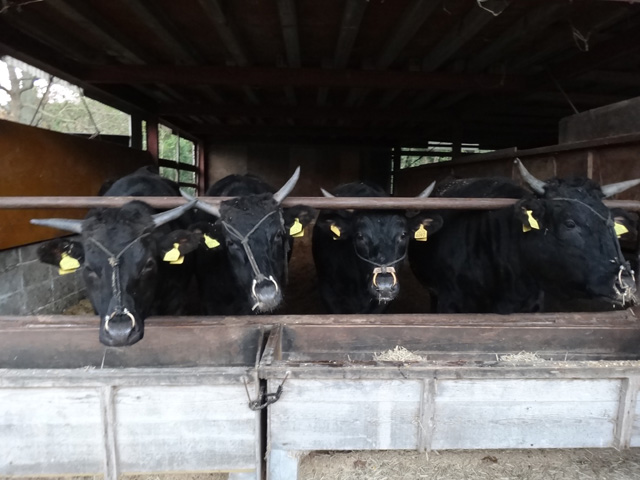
pixel 374 72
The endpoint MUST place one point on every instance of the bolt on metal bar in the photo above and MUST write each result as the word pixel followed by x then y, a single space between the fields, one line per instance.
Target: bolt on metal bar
pixel 358 203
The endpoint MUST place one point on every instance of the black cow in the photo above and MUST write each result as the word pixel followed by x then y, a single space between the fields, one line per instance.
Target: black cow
pixel 244 252
pixel 356 253
pixel 121 251
pixel 561 239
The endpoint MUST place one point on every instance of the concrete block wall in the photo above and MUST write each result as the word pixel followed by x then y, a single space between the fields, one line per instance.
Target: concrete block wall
pixel 29 287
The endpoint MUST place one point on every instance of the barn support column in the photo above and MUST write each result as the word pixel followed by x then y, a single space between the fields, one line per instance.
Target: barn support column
pixel 152 138
pixel 135 132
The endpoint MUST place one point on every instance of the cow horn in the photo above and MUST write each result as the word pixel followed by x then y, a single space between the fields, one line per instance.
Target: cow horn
pixel 614 188
pixel 535 184
pixel 205 207
pixel 326 194
pixel 67 224
pixel 165 217
pixel 427 191
pixel 281 194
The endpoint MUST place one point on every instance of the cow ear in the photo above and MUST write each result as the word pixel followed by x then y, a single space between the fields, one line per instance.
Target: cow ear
pixel 67 255
pixel 337 226
pixel 296 218
pixel 209 235
pixel 530 213
pixel 177 244
pixel 423 225
pixel 625 223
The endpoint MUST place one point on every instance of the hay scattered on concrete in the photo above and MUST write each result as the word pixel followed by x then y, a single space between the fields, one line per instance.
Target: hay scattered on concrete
pixel 522 358
pixel 83 307
pixel 398 354
pixel 578 464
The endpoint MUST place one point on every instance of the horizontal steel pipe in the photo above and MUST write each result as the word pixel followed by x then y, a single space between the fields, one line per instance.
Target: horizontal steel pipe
pixel 357 203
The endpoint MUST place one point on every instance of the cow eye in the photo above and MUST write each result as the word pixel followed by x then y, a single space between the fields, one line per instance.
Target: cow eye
pixel 570 224
pixel 359 236
pixel 403 235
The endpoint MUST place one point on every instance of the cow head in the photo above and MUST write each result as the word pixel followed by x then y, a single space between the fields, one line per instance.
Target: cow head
pixel 570 239
pixel 254 232
pixel 120 253
pixel 380 239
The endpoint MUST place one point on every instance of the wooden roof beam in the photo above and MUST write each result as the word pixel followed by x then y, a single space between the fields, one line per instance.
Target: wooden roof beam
pixel 412 19
pixel 349 28
pixel 303 77
pixel 289 25
pixel 213 11
pixel 216 16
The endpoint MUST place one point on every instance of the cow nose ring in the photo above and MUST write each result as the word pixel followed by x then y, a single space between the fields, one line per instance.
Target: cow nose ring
pixel 126 312
pixel 390 270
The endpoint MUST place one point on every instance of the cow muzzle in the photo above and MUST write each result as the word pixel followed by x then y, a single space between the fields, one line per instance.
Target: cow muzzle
pixel 120 329
pixel 385 283
pixel 266 293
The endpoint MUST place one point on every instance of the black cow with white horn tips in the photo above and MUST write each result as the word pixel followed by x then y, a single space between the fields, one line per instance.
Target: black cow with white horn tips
pixel 245 245
pixel 560 240
pixel 358 253
pixel 132 258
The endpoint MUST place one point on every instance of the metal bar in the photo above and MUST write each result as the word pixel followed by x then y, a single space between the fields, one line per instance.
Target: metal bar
pixel 177 165
pixel 358 203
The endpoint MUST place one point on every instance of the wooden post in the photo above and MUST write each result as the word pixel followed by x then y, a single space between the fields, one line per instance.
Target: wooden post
pixel 203 170
pixel 626 412
pixel 107 406
pixel 152 138
pixel 135 130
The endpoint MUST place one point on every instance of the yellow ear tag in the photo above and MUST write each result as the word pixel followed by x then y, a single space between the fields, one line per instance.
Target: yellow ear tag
pixel 296 229
pixel 421 234
pixel 335 230
pixel 172 255
pixel 68 264
pixel 532 222
pixel 620 229
pixel 210 242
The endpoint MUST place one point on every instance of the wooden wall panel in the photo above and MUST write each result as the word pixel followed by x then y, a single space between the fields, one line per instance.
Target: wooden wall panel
pixel 605 164
pixel 37 162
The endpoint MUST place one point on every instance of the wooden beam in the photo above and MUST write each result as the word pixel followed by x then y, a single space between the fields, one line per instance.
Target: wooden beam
pixel 215 14
pixel 457 37
pixel 412 19
pixel 289 23
pixel 303 77
pixel 93 24
pixel 349 28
